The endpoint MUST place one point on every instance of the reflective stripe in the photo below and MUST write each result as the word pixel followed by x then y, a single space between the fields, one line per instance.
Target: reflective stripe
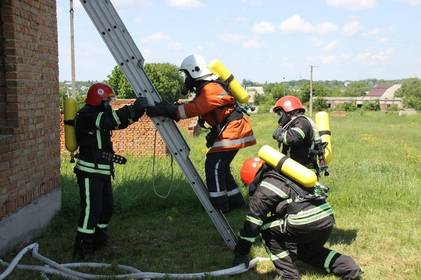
pixel 312 211
pixel 274 189
pixel 216 177
pixel 88 231
pixel 90 164
pixel 181 112
pixel 300 131
pixel 92 170
pixel 102 225
pixel 284 138
pixel 311 216
pixel 229 143
pixel 281 255
pixel 98 119
pixel 217 194
pixel 233 192
pixel 249 239
pixel 328 260
pixel 88 205
pixel 254 220
pixel 116 118
pixel 98 139
pixel 311 219
pixel 272 224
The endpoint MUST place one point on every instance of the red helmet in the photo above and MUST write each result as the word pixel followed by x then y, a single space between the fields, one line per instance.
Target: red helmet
pixel 99 92
pixel 288 103
pixel 250 169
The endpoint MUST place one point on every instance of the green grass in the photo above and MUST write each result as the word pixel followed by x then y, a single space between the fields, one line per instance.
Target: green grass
pixel 375 191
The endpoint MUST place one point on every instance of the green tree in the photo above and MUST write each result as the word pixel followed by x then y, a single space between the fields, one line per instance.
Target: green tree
pixel 318 90
pixel 320 104
pixel 165 77
pixel 358 88
pixel 411 93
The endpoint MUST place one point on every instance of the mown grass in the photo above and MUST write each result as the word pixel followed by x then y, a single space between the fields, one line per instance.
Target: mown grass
pixel 375 191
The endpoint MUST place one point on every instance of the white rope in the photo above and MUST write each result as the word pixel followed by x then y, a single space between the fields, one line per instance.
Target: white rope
pixel 66 271
pixel 153 173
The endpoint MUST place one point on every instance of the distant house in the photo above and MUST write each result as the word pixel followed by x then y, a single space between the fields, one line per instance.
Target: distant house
pixel 253 92
pixel 384 94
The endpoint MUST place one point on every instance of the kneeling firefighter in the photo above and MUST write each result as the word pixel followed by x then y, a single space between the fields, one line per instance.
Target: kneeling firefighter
pixel 94 163
pixel 295 132
pixel 230 130
pixel 288 215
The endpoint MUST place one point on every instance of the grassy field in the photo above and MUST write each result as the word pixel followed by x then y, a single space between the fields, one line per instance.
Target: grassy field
pixel 375 191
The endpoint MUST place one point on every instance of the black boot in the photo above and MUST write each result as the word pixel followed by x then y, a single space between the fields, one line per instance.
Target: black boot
pixel 84 246
pixel 100 238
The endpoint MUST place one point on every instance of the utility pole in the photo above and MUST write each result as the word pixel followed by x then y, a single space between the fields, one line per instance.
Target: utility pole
pixel 72 49
pixel 311 91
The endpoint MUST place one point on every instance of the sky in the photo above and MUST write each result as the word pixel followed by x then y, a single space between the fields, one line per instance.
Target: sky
pixel 258 40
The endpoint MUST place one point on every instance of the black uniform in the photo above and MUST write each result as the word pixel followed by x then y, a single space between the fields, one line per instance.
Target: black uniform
pixel 294 222
pixel 296 138
pixel 94 168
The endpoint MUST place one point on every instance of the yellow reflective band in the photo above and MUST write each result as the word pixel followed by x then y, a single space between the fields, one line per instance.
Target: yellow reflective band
pixel 98 139
pixel 272 224
pixel 328 260
pixel 102 225
pixel 254 220
pixel 116 118
pixel 229 143
pixel 300 131
pixel 88 231
pixel 274 189
pixel 249 239
pixel 88 205
pixel 281 255
pixel 98 120
pixel 315 210
pixel 92 170
pixel 90 164
pixel 311 219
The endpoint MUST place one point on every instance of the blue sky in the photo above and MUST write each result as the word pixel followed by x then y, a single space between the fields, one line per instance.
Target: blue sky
pixel 260 40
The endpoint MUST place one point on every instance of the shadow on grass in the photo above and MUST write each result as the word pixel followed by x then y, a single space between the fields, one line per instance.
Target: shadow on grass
pixel 343 236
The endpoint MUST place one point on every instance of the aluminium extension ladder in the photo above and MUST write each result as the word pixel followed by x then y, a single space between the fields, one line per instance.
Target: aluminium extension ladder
pixel 127 55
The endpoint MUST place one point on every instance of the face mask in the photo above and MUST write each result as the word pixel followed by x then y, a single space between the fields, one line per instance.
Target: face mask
pixel 188 86
pixel 284 118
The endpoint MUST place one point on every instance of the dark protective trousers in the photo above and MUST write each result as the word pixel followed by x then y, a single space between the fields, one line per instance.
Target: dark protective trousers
pixel 309 249
pixel 96 202
pixel 224 192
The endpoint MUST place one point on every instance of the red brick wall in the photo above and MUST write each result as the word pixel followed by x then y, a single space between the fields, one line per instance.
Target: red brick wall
pixel 139 138
pixel 29 109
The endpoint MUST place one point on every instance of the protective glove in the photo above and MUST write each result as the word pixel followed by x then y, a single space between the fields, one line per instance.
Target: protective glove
pixel 278 134
pixel 139 107
pixel 162 109
pixel 240 259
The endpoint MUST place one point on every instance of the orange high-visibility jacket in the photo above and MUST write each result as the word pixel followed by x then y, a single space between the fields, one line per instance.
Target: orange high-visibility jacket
pixel 213 104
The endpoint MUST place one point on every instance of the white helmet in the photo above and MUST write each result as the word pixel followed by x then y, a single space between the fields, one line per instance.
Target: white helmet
pixel 196 66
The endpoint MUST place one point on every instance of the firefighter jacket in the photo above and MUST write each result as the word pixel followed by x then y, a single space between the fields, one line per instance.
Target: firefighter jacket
pixel 213 104
pixel 297 140
pixel 93 134
pixel 279 202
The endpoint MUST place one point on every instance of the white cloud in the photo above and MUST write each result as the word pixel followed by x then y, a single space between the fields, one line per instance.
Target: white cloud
pixel 231 37
pixel 186 3
pixel 328 59
pixel 378 57
pixel 296 24
pixel 353 5
pixel 263 27
pixel 378 34
pixel 330 46
pixel 252 44
pixel 352 27
pixel 155 37
pixel 175 46
pixel 413 2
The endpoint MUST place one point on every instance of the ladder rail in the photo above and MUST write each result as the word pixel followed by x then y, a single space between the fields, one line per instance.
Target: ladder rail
pixel 130 60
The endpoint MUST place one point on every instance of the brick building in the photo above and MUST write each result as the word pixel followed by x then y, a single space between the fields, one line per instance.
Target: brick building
pixel 29 119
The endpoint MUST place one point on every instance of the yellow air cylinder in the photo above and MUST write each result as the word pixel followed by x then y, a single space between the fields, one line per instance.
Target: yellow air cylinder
pixel 322 122
pixel 287 166
pixel 219 69
pixel 70 142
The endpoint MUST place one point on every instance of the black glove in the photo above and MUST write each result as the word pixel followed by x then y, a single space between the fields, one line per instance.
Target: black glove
pixel 163 109
pixel 277 134
pixel 139 107
pixel 240 259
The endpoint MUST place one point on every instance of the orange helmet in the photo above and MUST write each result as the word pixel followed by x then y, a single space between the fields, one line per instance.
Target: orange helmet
pixel 250 169
pixel 99 92
pixel 288 103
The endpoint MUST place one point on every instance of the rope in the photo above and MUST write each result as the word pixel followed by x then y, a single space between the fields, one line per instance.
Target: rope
pixel 153 172
pixel 66 271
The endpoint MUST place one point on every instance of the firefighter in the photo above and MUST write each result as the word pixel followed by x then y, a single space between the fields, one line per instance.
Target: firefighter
pixel 295 132
pixel 285 213
pixel 230 130
pixel 94 164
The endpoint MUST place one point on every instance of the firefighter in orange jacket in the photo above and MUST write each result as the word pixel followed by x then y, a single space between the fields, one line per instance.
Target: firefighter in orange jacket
pixel 230 130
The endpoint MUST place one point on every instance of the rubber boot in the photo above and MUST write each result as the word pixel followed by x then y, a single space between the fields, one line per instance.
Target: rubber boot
pixel 84 246
pixel 100 238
